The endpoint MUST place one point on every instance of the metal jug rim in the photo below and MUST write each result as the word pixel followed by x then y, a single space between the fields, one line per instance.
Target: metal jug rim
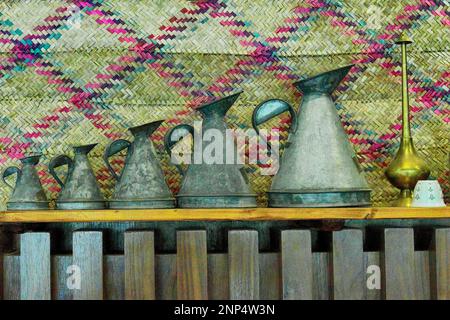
pixel 149 127
pixel 237 94
pixel 299 84
pixel 219 106
pixel 85 148
pixel 32 158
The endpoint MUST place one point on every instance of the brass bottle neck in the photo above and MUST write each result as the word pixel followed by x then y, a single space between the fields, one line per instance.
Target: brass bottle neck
pixel 406 130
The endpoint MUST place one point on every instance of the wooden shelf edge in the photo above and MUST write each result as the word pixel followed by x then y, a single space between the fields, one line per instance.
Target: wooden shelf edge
pixel 254 214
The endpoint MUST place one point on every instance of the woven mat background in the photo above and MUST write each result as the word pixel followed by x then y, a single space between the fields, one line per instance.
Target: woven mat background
pixel 75 72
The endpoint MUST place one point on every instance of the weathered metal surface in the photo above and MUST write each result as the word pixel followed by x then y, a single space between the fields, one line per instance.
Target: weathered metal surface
pixel 141 183
pixel 212 185
pixel 80 191
pixel 315 198
pixel 27 193
pixel 319 167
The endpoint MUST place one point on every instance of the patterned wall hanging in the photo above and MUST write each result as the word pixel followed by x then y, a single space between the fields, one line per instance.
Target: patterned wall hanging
pixel 78 72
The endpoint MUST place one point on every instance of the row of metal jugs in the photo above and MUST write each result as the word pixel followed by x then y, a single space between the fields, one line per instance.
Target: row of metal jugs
pixel 318 168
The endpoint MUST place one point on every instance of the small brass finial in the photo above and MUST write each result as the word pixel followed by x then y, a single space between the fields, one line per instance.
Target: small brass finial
pixel 403 38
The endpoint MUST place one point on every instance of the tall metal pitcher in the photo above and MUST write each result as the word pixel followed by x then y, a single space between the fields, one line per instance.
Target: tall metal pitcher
pixel 27 193
pixel 141 183
pixel 211 185
pixel 80 191
pixel 319 167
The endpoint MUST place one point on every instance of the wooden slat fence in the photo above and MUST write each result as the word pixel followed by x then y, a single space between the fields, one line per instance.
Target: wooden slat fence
pixel 296 272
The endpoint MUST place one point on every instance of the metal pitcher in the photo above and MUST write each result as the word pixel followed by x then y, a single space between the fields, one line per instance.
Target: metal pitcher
pixel 80 191
pixel 319 167
pixel 211 185
pixel 141 183
pixel 27 193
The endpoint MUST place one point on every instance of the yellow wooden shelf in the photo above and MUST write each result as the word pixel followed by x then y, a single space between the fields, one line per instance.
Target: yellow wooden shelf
pixel 255 214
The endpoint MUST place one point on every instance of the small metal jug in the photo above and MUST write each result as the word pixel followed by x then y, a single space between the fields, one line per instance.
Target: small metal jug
pixel 27 193
pixel 80 191
pixel 141 183
pixel 212 185
pixel 319 167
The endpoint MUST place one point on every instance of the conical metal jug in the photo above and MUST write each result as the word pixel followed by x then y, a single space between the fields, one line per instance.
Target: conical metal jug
pixel 319 167
pixel 211 185
pixel 27 193
pixel 141 183
pixel 80 190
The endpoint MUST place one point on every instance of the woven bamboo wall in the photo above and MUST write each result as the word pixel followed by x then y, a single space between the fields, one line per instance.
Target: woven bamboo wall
pixel 83 71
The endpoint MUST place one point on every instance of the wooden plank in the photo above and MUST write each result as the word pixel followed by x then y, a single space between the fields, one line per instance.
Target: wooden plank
pixel 113 277
pixel 166 280
pixel 372 267
pixel 114 285
pixel 60 277
pixel 243 264
pixel 2 250
pixel 270 275
pixel 192 265
pixel 88 256
pixel 399 264
pixel 422 274
pixel 347 265
pixel 11 277
pixel 35 266
pixel 217 274
pixel 296 265
pixel 441 265
pixel 321 276
pixel 257 214
pixel 139 248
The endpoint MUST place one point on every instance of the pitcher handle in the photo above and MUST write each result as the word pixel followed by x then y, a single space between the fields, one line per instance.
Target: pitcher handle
pixel 8 172
pixel 113 148
pixel 58 162
pixel 270 109
pixel 173 136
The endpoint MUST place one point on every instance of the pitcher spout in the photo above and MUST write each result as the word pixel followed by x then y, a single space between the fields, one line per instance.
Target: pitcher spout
pixel 146 129
pixel 85 149
pixel 325 82
pixel 31 160
pixel 218 107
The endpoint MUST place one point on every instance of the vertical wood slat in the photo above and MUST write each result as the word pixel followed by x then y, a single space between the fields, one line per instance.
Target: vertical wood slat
pixel 114 275
pixel 399 264
pixel 321 276
pixel 35 277
pixel 139 250
pixel 166 281
pixel 88 256
pixel 347 262
pixel 243 264
pixel 2 249
pixel 217 275
pixel 372 259
pixel 270 276
pixel 60 277
pixel 296 265
pixel 441 264
pixel 192 265
pixel 422 274
pixel 11 277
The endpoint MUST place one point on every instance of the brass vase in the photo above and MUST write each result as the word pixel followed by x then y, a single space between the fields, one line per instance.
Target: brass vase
pixel 407 167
